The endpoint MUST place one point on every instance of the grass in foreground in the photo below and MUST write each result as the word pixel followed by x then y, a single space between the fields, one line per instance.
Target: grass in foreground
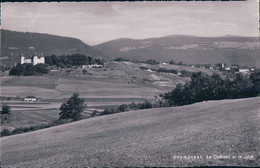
pixel 145 138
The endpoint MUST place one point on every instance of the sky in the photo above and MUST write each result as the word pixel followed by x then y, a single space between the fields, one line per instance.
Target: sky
pixel 98 22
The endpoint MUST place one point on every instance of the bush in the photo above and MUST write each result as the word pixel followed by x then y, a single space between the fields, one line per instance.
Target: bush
pixel 152 62
pixel 145 105
pixel 6 109
pixel 173 71
pixel 29 69
pixel 106 112
pixel 94 113
pixel 122 108
pixel 120 59
pixel 84 71
pixel 5 132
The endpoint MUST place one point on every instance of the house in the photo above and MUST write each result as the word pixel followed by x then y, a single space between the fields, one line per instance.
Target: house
pixel 211 67
pixel 30 98
pixel 243 70
pixel 33 60
pixel 92 66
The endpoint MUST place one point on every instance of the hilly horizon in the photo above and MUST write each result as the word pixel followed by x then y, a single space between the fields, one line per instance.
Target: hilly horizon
pixel 188 49
pixel 15 43
pixel 141 138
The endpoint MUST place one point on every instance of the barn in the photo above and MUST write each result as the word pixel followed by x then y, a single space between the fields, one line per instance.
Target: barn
pixel 30 98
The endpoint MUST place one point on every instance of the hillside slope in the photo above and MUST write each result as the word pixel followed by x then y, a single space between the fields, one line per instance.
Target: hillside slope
pixel 145 138
pixel 188 49
pixel 16 43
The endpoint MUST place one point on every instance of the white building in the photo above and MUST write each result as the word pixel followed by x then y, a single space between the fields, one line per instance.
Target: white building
pixel 23 60
pixel 244 70
pixel 34 60
pixel 38 60
pixel 30 98
pixel 92 66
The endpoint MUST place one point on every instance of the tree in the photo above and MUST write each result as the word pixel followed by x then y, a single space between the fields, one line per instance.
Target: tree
pixel 41 69
pixel 73 108
pixel 5 109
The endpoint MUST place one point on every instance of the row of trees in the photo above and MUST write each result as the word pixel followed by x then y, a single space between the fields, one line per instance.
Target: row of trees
pixel 175 63
pixel 205 87
pixel 72 109
pixel 128 107
pixel 72 60
pixel 29 69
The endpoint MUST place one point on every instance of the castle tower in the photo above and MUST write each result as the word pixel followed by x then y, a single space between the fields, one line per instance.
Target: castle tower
pixel 22 59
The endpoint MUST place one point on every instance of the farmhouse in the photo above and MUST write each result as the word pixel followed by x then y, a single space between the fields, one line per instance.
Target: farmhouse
pixel 92 66
pixel 33 60
pixel 244 70
pixel 30 98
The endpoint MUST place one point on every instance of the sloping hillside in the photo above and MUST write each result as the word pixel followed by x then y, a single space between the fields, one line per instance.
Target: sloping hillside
pixel 16 43
pixel 145 138
pixel 188 49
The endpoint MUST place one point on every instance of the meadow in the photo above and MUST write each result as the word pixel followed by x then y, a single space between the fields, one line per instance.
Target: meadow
pixel 152 137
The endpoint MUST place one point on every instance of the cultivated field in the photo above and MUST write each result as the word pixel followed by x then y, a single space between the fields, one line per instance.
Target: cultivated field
pixel 152 137
pixel 115 84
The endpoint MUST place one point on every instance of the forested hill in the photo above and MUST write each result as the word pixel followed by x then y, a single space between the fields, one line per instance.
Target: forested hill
pixel 187 49
pixel 16 43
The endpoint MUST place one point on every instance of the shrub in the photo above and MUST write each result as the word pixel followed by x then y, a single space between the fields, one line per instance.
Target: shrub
pixel 5 132
pixel 152 62
pixel 6 109
pixel 29 69
pixel 122 108
pixel 120 59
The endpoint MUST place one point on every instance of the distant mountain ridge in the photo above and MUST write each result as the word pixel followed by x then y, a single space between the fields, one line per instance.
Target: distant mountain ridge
pixel 16 43
pixel 187 49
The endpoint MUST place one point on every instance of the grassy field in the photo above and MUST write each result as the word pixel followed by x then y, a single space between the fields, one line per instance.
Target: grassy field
pixel 153 137
pixel 115 84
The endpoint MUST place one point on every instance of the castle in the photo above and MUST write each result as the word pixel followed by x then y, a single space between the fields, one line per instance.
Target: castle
pixel 33 60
